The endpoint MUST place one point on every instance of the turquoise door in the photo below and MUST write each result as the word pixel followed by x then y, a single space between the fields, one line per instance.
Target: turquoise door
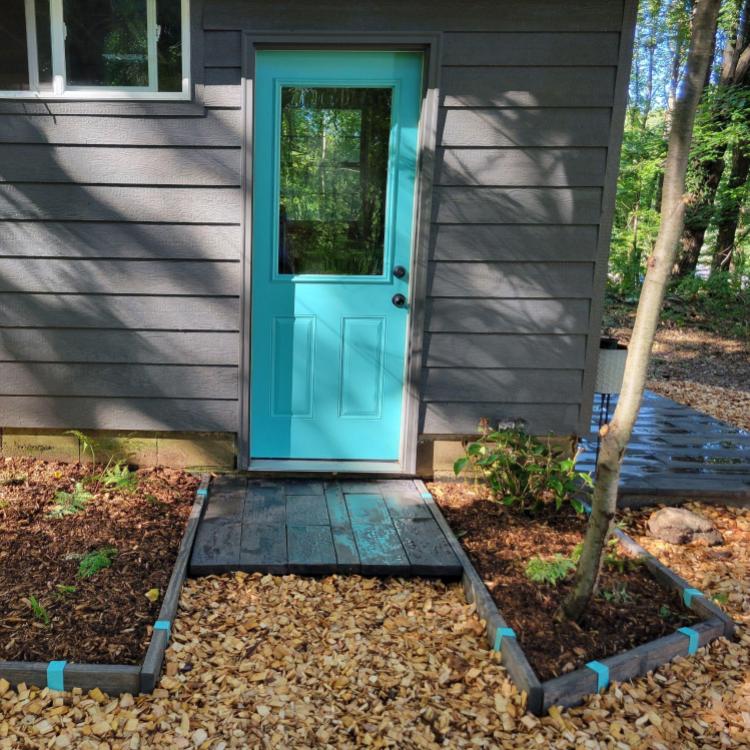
pixel 335 154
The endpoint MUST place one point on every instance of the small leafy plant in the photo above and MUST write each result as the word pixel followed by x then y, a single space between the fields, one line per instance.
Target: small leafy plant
pixel 120 477
pixel 614 559
pixel 551 570
pixel 617 595
pixel 70 503
pixel 95 561
pixel 64 590
pixel 40 612
pixel 86 444
pixel 520 469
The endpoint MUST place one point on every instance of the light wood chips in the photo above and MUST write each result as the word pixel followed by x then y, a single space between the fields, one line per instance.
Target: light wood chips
pixel 355 663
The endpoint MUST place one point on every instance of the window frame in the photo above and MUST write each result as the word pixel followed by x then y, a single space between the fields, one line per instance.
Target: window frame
pixel 60 89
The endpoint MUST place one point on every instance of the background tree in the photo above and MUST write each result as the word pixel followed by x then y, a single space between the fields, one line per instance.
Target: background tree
pixel 616 435
pixel 715 239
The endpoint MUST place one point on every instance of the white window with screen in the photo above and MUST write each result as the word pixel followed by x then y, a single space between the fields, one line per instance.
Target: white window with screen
pixel 103 49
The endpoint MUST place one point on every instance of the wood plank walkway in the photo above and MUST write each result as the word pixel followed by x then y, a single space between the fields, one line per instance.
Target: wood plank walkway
pixel 677 451
pixel 377 528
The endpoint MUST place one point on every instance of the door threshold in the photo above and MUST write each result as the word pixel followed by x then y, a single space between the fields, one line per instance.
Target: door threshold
pixel 311 466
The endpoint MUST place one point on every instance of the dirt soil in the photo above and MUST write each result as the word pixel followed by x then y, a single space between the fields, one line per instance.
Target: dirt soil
pixel 699 368
pixel 104 618
pixel 500 541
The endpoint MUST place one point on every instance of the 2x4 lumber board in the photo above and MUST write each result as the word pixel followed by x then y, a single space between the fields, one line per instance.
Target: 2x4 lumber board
pixel 570 689
pixel 306 510
pixel 264 506
pixel 476 592
pixel 701 605
pixel 152 663
pixel 311 549
pixel 347 555
pixel 427 548
pixel 263 548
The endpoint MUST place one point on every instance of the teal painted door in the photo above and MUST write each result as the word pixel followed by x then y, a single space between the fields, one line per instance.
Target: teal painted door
pixel 335 154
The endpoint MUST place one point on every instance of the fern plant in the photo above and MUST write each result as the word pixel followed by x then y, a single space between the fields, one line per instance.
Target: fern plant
pixel 70 503
pixel 95 561
pixel 551 570
pixel 120 477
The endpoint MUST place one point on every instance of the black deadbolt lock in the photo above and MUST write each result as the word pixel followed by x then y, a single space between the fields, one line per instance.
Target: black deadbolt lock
pixel 399 272
pixel 398 300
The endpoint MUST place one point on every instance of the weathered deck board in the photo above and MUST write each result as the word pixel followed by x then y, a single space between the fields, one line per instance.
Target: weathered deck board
pixel 677 452
pixel 373 527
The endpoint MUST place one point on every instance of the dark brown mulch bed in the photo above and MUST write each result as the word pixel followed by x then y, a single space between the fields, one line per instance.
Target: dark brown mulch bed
pixel 500 541
pixel 106 618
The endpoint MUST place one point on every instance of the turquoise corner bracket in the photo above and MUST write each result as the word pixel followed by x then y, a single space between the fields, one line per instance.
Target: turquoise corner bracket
pixel 693 639
pixel 55 675
pixel 689 594
pixel 602 674
pixel 164 625
pixel 501 633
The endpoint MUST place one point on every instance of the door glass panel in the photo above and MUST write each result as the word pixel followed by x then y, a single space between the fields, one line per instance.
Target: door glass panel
pixel 334 171
pixel 106 43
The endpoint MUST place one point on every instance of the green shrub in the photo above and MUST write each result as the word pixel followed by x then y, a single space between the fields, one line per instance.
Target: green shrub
pixel 95 561
pixel 70 503
pixel 520 469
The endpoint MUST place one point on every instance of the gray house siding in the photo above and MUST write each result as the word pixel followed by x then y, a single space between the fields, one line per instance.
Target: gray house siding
pixel 121 224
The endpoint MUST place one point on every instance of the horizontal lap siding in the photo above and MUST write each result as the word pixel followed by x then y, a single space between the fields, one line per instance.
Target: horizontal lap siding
pixel 120 246
pixel 523 134
pixel 123 272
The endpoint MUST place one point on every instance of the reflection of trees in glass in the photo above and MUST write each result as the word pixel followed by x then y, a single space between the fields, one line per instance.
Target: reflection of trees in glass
pixel 107 43
pixel 169 45
pixel 334 168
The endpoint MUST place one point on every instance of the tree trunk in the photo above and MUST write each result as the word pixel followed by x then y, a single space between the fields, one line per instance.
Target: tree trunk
pixel 730 214
pixel 700 206
pixel 616 435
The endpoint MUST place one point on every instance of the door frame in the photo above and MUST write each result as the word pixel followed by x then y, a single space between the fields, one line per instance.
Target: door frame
pixel 429 45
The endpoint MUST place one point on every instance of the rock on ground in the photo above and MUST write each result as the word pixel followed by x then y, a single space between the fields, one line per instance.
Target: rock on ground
pixel 682 526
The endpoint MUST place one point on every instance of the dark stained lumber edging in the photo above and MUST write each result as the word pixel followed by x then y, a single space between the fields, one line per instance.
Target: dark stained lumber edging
pixel 570 689
pixel 476 593
pixel 115 679
pixel 152 664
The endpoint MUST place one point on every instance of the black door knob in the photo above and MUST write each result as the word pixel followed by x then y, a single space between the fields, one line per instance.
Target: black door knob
pixel 399 272
pixel 398 300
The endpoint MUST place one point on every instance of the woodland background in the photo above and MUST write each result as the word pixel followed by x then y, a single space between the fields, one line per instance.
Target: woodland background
pixel 711 282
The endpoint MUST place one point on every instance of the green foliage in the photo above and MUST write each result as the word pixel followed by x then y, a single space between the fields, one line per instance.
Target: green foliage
pixel 95 561
pixel 64 590
pixel 721 133
pixel 613 558
pixel 619 594
pixel 40 612
pixel 520 469
pixel 550 570
pixel 86 444
pixel 119 477
pixel 70 503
